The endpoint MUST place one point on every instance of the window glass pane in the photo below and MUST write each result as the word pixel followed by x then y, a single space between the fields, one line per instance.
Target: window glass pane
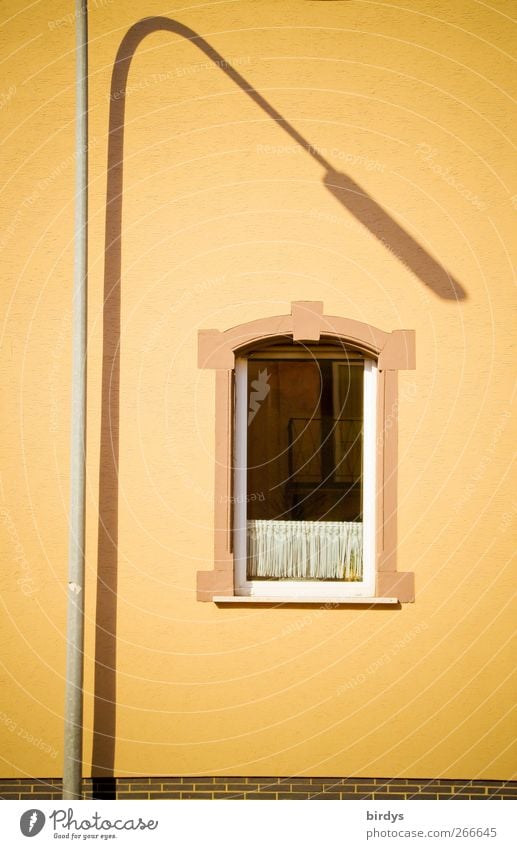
pixel 304 479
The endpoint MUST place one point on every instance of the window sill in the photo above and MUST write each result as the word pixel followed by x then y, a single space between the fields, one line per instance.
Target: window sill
pixel 335 602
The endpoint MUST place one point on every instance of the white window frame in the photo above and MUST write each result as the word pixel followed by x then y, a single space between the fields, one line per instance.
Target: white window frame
pixel 300 589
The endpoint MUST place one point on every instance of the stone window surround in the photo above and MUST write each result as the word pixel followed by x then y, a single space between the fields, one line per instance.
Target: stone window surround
pixel 307 323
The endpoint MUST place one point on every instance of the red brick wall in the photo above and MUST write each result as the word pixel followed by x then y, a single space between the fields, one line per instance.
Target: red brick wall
pixel 171 787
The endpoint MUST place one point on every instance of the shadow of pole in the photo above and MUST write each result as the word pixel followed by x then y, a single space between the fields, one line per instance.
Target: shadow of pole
pixel 355 199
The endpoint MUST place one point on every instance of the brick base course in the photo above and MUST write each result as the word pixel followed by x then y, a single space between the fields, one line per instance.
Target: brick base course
pixel 235 787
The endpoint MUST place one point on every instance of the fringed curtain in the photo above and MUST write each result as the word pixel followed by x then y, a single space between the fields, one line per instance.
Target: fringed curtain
pixel 305 550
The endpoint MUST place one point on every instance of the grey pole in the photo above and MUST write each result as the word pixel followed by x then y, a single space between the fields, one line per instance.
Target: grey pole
pixel 73 742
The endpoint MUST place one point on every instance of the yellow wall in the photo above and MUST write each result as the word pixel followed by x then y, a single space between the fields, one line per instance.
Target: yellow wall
pixel 226 220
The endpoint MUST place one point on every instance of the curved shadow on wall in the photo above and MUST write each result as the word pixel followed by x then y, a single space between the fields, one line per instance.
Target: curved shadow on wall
pixel 355 199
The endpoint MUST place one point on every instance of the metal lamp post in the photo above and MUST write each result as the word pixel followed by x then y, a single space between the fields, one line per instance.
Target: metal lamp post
pixel 73 740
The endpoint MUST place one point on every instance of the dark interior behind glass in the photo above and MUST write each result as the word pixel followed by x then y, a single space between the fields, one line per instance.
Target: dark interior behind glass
pixel 305 438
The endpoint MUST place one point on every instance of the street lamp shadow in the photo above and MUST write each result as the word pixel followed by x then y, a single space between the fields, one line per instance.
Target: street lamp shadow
pixel 392 235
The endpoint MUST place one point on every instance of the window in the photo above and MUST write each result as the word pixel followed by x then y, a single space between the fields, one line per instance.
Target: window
pixel 304 472
pixel 306 460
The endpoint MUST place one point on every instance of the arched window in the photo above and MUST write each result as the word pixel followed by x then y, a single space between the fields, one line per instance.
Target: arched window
pixel 305 468
pixel 304 472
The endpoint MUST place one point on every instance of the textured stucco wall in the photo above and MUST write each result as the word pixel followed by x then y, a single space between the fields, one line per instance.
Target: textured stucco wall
pixel 226 219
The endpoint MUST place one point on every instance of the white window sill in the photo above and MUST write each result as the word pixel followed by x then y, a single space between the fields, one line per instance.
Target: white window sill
pixel 260 599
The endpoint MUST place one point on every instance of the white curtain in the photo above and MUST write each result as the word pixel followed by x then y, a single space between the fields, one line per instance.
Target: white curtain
pixel 305 550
